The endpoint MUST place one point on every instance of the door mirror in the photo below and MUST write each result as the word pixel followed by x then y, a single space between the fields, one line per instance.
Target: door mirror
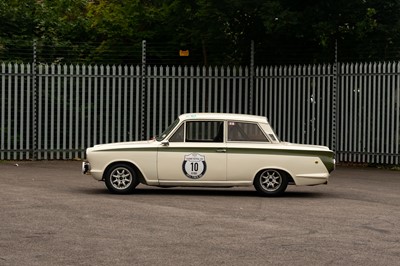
pixel 165 143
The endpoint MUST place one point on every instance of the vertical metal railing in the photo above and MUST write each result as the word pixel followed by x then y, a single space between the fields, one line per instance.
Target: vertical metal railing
pixel 56 111
pixel 34 104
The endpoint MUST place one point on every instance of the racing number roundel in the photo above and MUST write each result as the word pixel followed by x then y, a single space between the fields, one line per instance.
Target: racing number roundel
pixel 194 165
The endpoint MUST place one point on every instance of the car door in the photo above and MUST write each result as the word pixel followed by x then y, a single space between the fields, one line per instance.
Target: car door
pixel 195 153
pixel 247 147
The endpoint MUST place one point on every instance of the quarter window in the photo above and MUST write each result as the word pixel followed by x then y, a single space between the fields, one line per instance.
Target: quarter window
pixel 239 131
pixel 178 135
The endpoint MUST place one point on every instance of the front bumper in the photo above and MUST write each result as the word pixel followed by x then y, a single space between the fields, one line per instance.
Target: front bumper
pixel 86 168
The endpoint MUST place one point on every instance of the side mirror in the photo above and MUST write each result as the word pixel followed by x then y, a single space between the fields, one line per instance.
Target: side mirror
pixel 165 143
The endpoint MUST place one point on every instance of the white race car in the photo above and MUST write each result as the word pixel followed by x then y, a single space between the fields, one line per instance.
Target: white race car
pixel 211 150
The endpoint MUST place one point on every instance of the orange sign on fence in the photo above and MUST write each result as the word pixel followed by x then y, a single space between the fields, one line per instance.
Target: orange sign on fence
pixel 183 52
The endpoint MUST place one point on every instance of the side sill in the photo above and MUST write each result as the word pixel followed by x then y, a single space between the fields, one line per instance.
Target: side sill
pixel 204 183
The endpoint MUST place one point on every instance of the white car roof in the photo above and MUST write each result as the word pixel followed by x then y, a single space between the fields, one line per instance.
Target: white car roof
pixel 223 116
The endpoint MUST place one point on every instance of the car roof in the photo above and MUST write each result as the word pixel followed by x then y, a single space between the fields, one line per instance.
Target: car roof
pixel 223 116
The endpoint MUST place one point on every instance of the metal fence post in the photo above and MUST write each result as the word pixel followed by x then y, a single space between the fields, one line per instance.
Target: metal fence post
pixel 143 91
pixel 34 105
pixel 334 97
pixel 251 90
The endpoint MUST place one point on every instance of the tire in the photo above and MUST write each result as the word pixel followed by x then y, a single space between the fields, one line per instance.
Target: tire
pixel 121 179
pixel 271 182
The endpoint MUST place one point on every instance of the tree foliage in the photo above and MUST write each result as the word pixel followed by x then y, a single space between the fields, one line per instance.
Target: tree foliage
pixel 215 31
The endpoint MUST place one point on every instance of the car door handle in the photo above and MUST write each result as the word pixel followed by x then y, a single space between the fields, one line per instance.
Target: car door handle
pixel 221 150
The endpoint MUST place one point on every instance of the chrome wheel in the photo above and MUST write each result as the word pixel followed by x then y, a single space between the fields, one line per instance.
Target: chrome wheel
pixel 271 180
pixel 121 178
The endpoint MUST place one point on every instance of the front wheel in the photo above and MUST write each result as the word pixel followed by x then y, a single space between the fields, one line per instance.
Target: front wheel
pixel 271 182
pixel 121 179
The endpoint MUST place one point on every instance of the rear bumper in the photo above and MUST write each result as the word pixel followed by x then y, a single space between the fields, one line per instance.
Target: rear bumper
pixel 312 179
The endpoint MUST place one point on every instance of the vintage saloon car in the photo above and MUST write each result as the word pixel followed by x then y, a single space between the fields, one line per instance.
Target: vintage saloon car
pixel 211 150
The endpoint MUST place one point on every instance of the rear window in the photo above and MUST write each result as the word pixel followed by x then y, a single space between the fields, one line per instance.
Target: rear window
pixel 240 131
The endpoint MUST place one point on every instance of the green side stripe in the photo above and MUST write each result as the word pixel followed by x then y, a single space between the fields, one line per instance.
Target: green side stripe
pixel 325 156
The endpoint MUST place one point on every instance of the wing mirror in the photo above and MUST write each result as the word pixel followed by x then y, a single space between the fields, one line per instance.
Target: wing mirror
pixel 165 143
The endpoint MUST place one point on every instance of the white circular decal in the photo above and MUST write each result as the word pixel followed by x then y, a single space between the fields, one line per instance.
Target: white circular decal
pixel 194 165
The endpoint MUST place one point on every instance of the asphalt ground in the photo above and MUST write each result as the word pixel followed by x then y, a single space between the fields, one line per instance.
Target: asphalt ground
pixel 53 215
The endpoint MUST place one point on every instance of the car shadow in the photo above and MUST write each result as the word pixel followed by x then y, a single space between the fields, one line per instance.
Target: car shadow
pixel 214 192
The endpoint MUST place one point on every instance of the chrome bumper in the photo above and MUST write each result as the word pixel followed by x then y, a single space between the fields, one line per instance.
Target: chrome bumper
pixel 85 168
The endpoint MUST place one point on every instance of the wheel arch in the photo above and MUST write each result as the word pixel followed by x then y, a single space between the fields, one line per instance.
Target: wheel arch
pixel 282 170
pixel 131 164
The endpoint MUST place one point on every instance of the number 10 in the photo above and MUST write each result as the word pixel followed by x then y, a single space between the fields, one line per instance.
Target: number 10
pixel 195 167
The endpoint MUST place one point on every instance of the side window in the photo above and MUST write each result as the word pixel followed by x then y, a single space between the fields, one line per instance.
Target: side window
pixel 178 135
pixel 238 131
pixel 204 131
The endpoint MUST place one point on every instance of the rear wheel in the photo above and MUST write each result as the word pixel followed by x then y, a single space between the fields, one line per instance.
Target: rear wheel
pixel 271 182
pixel 121 179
